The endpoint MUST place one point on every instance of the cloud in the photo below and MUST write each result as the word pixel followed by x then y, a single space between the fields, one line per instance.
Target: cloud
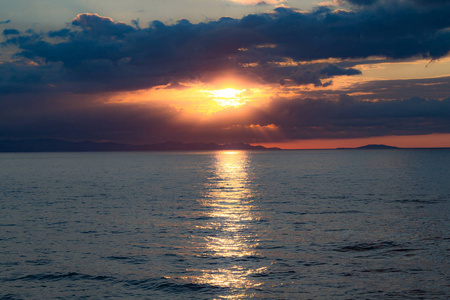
pixel 407 88
pixel 10 32
pixel 382 89
pixel 432 2
pixel 362 2
pixel 81 117
pixel 19 77
pixel 62 33
pixel 419 2
pixel 5 22
pixel 351 118
pixel 102 54
pixel 98 26
pixel 333 70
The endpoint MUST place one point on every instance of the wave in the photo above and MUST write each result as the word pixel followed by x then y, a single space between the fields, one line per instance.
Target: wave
pixel 366 246
pixel 58 276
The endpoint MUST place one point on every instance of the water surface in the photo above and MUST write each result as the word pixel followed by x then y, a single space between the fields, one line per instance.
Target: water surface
pixel 344 224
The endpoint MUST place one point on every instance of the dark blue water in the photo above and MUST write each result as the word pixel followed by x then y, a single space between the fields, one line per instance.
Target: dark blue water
pixel 225 225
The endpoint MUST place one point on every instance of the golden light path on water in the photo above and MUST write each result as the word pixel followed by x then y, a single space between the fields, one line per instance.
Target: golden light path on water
pixel 229 211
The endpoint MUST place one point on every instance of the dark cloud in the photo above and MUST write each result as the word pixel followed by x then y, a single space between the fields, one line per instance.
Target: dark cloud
pixel 314 73
pixel 105 55
pixel 380 90
pixel 396 89
pixel 98 26
pixel 333 70
pixel 5 22
pixel 10 31
pixel 420 2
pixel 432 2
pixel 21 77
pixel 350 118
pixel 362 2
pixel 63 33
pixel 81 118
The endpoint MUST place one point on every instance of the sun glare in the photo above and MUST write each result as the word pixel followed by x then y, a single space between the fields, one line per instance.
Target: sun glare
pixel 228 97
pixel 196 98
pixel 226 93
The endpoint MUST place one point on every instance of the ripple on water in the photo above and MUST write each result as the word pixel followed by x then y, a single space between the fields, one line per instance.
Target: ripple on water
pixel 360 247
pixel 58 277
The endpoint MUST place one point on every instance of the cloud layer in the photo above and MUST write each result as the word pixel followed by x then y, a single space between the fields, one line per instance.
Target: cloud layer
pixel 78 119
pixel 98 53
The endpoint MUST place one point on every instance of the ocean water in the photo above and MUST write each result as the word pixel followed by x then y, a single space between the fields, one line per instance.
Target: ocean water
pixel 343 224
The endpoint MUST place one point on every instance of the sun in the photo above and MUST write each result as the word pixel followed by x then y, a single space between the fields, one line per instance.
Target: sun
pixel 226 93
pixel 228 97
pixel 203 99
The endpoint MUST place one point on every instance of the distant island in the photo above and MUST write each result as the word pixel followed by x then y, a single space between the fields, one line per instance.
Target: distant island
pixel 55 145
pixel 376 146
pixel 386 147
pixel 373 147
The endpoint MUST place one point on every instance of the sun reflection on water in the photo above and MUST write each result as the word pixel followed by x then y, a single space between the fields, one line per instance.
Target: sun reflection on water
pixel 231 241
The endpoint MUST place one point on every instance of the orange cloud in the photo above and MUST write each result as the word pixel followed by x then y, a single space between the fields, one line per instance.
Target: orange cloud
pixel 200 98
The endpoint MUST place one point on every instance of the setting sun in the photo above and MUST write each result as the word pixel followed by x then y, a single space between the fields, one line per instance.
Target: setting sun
pixel 228 97
pixel 196 98
pixel 226 93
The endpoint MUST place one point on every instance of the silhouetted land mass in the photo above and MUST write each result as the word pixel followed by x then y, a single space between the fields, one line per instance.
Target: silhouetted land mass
pixel 55 145
pixel 382 147
pixel 375 146
pixel 372 146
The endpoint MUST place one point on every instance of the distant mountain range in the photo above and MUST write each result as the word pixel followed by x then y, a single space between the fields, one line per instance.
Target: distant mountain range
pixel 55 145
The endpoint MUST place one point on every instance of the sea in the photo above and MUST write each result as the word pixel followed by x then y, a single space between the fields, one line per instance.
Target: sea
pixel 303 224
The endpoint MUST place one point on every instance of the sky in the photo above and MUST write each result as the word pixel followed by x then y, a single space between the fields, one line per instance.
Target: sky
pixel 293 74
